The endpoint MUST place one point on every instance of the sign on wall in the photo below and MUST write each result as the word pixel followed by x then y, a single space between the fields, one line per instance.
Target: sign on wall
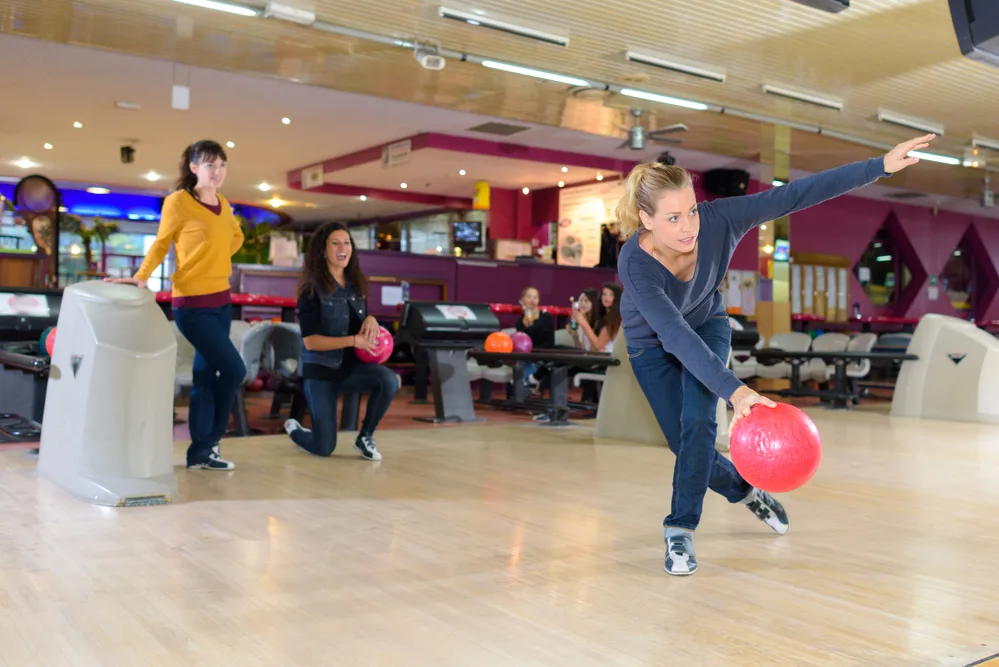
pixel 581 212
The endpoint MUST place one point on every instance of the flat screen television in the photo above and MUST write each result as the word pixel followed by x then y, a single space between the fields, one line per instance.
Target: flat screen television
pixel 467 235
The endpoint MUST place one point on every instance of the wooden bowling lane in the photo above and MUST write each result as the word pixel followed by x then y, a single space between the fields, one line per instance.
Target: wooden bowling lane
pixel 511 545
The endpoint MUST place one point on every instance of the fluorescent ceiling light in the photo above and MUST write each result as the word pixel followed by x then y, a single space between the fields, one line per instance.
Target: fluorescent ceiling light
pixel 982 142
pixel 663 99
pixel 98 191
pixel 800 96
pixel 503 26
pixel 674 66
pixel 220 6
pixel 25 163
pixel 942 159
pixel 538 74
pixel 910 122
pixel 275 10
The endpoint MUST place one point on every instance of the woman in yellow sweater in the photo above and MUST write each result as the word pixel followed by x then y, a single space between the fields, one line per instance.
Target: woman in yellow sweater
pixel 199 223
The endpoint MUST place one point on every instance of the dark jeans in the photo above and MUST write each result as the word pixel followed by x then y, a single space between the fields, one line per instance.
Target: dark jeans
pixel 685 410
pixel 322 396
pixel 218 373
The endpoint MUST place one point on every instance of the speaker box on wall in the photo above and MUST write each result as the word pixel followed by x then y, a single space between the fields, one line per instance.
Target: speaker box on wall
pixel 726 182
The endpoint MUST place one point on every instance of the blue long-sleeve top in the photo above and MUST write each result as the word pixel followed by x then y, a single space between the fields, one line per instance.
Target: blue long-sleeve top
pixel 659 309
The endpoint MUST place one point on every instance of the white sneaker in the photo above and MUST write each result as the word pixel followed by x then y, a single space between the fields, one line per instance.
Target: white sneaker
pixel 366 446
pixel 769 510
pixel 292 425
pixel 680 558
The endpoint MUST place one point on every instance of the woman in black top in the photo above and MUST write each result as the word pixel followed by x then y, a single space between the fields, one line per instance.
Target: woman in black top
pixel 540 326
pixel 332 314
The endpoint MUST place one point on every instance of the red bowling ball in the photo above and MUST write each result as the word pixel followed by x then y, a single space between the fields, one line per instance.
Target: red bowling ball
pixel 776 449
pixel 384 345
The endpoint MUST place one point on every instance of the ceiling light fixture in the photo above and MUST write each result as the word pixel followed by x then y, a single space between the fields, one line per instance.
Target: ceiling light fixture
pixel 461 172
pixel 403 186
pixel 152 176
pixel 364 198
pixel 674 66
pixel 220 7
pixel 286 120
pixel 276 202
pixel 24 163
pixel 565 170
pixel 910 122
pixel 982 142
pixel 48 147
pixel 600 177
pixel 128 106
pixel 264 187
pixel 776 183
pixel 664 99
pixel 230 144
pixel 536 73
pixel 561 184
pixel 78 125
pixel 98 191
pixel 275 10
pixel 503 26
pixel 526 191
pixel 942 159
pixel 801 96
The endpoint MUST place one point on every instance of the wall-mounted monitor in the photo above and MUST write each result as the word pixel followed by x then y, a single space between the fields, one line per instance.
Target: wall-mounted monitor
pixel 468 235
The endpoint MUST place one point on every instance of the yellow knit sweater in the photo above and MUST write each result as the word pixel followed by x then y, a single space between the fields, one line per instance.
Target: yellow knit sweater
pixel 204 242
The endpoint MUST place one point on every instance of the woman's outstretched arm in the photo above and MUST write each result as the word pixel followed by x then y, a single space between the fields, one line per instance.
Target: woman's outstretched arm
pixel 741 214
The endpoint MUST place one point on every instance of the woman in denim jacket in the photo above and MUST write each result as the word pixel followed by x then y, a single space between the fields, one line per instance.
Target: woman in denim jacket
pixel 332 313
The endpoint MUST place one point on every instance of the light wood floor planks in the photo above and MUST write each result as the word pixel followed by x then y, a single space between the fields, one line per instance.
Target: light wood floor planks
pixel 511 545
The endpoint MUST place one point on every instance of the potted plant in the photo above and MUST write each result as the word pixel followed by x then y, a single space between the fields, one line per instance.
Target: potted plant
pixel 100 230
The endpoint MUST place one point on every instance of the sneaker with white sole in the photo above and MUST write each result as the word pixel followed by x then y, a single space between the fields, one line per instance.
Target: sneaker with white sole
pixel 293 425
pixel 680 558
pixel 768 510
pixel 212 462
pixel 366 446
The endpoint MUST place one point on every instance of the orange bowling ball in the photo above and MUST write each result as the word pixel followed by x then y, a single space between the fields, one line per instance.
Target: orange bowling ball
pixel 499 342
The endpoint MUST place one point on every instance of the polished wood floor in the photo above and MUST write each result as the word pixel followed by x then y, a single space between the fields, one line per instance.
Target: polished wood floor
pixel 511 544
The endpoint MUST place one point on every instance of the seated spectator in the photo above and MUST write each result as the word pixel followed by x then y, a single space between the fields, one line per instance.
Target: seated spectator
pixel 540 326
pixel 597 333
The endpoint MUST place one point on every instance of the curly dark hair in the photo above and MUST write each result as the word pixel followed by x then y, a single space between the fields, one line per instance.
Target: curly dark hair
pixel 316 275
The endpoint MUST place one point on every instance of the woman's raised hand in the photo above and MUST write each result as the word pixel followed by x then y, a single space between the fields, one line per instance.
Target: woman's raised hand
pixel 898 158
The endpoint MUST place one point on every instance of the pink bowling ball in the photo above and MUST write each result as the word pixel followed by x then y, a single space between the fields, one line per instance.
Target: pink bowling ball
pixel 521 342
pixel 383 348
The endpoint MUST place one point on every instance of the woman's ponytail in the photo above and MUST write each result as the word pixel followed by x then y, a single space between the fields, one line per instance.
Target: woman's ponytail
pixel 646 183
pixel 201 151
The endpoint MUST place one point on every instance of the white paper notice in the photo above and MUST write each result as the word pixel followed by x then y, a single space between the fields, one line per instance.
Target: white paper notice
pixel 933 292
pixel 391 295
pixel 843 276
pixel 809 288
pixel 831 292
pixel 796 289
pixel 864 275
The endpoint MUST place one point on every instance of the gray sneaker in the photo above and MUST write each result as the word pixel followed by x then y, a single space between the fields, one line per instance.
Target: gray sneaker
pixel 680 558
pixel 769 510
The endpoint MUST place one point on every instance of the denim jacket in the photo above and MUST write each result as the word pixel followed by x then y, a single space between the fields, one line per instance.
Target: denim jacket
pixel 335 322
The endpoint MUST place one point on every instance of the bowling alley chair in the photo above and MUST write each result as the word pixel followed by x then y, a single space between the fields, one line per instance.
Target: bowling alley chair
pixel 856 370
pixel 791 341
pixel 282 356
pixel 623 412
pixel 817 369
pixel 251 349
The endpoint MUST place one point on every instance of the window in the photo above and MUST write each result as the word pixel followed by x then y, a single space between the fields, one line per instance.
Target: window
pixel 881 271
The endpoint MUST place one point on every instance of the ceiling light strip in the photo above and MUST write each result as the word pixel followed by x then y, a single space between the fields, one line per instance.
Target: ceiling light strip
pixel 227 7
pixel 680 68
pixel 663 99
pixel 503 26
pixel 537 74
pixel 800 96
pixel 909 122
pixel 983 142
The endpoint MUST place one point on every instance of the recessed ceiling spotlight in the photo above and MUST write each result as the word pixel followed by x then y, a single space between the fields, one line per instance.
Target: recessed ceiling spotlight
pixel 264 187
pixel 526 191
pixel 78 125
pixel 98 191
pixel 48 147
pixel 24 163
pixel 152 176
pixel 403 186
pixel 461 172
pixel 230 144
pixel 600 177
pixel 565 170
pixel 364 198
pixel 561 184
pixel 276 202
pixel 286 121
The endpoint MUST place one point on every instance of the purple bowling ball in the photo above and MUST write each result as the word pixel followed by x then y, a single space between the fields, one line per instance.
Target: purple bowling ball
pixel 521 342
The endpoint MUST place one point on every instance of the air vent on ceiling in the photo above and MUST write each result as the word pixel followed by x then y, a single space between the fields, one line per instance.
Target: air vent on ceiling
pixel 905 195
pixel 501 129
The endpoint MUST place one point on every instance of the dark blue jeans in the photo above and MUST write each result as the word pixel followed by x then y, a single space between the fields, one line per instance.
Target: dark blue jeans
pixel 685 410
pixel 218 373
pixel 322 396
